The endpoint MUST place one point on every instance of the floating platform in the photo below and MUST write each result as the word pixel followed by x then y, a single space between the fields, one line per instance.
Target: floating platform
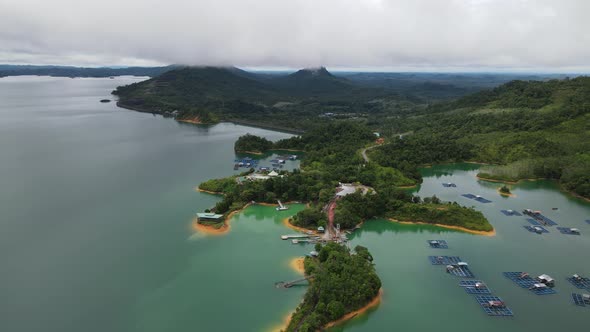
pixel 477 198
pixel 449 185
pixel 581 283
pixel 528 282
pixel 444 260
pixel 470 287
pixel 540 217
pixel 294 236
pixel 486 301
pixel 462 271
pixel 438 244
pixel 536 229
pixel 578 299
pixel 533 222
pixel 511 213
pixel 568 231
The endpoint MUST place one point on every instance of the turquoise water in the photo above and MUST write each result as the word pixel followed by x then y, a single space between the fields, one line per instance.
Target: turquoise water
pixel 421 297
pixel 96 231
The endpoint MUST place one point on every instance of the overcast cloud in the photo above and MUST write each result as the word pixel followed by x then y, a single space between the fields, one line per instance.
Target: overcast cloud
pixel 393 34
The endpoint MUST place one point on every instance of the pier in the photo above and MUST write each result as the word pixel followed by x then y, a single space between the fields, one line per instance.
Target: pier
pixel 294 236
pixel 289 284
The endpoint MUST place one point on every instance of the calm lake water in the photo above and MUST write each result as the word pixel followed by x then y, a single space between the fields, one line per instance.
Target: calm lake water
pixel 96 207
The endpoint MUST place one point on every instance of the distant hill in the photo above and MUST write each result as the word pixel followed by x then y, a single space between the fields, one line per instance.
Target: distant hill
pixel 313 81
pixel 534 129
pixel 233 94
pixel 69 71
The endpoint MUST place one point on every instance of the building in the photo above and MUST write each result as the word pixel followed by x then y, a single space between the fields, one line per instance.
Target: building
pixel 209 216
pixel 273 173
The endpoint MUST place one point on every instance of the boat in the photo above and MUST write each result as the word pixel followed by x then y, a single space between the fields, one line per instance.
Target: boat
pixel 282 207
pixel 105 100
pixel 236 166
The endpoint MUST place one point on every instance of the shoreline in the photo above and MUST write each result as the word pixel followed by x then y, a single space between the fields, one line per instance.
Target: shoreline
pixel 297 228
pixel 221 230
pixel 457 228
pixel 250 152
pixel 296 265
pixel 505 194
pixel 191 121
pixel 586 199
pixel 208 191
pixel 371 305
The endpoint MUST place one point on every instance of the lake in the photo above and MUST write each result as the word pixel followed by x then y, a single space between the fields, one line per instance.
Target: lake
pixel 97 205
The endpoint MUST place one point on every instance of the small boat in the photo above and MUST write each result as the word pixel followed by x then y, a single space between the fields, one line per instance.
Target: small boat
pixel 554 208
pixel 236 166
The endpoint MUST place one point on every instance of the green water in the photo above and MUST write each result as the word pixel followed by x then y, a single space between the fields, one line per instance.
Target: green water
pixel 422 297
pixel 96 205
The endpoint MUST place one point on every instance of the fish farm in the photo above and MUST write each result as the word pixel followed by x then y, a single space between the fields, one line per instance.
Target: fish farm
pixel 444 260
pixel 568 230
pixel 438 244
pixel 493 305
pixel 579 282
pixel 523 280
pixel 581 300
pixel 511 213
pixel 477 198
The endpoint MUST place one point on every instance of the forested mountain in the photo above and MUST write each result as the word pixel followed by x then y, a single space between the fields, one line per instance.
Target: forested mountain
pixel 536 129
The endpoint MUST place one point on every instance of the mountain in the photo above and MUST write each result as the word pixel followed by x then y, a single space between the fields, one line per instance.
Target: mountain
pixel 314 81
pixel 69 71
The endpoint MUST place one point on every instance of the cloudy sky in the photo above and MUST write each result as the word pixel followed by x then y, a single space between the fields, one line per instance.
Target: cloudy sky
pixel 457 35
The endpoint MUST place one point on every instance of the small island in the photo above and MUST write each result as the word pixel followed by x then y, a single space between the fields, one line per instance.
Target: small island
pixel 505 191
pixel 343 284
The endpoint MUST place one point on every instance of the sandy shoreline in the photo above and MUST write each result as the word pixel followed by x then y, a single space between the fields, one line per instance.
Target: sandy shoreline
pixel 250 152
pixel 296 228
pixel 373 304
pixel 190 121
pixel 217 231
pixel 505 194
pixel 458 228
pixel 297 265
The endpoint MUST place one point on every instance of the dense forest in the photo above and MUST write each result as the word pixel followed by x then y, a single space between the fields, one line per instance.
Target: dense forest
pixel 332 156
pixel 343 282
pixel 531 129
pixel 252 143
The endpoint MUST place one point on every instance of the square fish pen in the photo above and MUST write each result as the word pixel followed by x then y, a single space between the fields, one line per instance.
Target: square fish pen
pixel 438 244
pixel 581 300
pixel 528 283
pixel 511 213
pixel 475 287
pixel 461 269
pixel 493 305
pixel 444 260
pixel 580 282
pixel 568 230
pixel 536 229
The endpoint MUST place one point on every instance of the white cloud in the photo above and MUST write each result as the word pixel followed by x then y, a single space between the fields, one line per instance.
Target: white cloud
pixel 295 33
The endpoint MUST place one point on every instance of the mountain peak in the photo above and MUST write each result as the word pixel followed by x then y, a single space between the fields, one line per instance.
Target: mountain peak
pixel 314 71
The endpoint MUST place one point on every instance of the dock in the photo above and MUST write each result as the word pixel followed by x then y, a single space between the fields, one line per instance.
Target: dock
pixel 294 236
pixel 289 284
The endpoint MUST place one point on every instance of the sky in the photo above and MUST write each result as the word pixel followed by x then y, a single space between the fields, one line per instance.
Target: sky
pixel 389 35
